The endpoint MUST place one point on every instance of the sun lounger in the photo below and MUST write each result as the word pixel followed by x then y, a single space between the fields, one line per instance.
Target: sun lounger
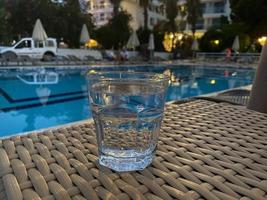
pixel 62 60
pixel 22 60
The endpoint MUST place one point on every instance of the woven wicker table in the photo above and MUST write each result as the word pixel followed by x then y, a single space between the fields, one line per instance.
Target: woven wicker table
pixel 206 150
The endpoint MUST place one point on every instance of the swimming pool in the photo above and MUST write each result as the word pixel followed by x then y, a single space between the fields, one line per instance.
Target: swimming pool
pixel 35 98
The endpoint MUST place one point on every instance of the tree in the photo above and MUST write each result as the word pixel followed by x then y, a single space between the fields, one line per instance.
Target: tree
pixel 251 14
pixel 68 22
pixel 193 13
pixel 116 6
pixel 207 42
pixel 225 34
pixel 116 33
pixel 22 26
pixel 3 24
pixel 171 14
pixel 182 10
pixel 58 20
pixel 145 4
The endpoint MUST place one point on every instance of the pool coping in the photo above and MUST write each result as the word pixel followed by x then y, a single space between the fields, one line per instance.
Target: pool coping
pixel 51 128
pixel 126 64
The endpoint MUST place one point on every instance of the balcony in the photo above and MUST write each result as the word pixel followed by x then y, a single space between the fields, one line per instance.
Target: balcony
pixel 219 9
pixel 107 9
pixel 214 10
pixel 200 26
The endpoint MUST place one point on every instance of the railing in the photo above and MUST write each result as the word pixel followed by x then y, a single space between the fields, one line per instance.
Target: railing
pixel 213 10
pixel 235 57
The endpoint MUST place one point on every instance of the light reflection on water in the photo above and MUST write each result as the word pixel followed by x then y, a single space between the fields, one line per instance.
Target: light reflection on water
pixel 38 98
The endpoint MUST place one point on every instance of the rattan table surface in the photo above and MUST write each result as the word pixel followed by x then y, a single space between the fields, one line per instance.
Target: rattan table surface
pixel 206 150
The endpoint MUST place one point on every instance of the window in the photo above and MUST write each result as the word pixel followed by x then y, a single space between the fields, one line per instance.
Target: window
pixel 49 43
pixel 152 21
pixel 203 7
pixel 209 7
pixel 161 8
pixel 200 24
pixel 40 77
pixel 29 78
pixel 102 5
pixel 102 16
pixel 219 7
pixel 24 44
pixel 39 44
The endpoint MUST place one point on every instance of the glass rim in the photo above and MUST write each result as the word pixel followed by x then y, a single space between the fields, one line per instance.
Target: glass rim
pixel 147 76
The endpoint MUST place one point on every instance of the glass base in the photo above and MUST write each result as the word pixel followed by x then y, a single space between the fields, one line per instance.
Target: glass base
pixel 126 164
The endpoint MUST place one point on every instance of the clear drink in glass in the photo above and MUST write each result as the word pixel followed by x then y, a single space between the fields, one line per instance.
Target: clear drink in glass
pixel 127 108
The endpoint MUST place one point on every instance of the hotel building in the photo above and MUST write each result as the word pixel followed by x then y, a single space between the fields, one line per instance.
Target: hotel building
pixel 102 12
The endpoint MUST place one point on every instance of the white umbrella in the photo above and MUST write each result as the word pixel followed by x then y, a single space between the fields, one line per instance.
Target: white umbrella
pixel 39 33
pixel 43 93
pixel 151 44
pixel 236 45
pixel 84 35
pixel 194 46
pixel 133 41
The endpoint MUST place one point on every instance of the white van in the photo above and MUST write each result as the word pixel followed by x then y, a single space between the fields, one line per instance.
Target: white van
pixel 45 50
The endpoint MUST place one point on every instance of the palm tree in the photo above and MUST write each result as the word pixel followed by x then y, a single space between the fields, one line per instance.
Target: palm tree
pixel 145 4
pixel 171 14
pixel 116 6
pixel 170 26
pixel 182 10
pixel 193 13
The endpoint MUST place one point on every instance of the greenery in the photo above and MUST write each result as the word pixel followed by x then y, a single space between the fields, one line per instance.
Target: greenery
pixel 182 10
pixel 226 34
pixel 207 42
pixel 116 6
pixel 171 14
pixel 158 38
pixel 183 47
pixel 116 33
pixel 251 15
pixel 143 35
pixel 59 21
pixel 170 25
pixel 145 4
pixel 194 12
pixel 3 24
pixel 65 21
pixel 68 23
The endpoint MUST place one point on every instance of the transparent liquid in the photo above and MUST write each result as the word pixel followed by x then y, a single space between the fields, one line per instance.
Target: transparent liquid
pixel 128 118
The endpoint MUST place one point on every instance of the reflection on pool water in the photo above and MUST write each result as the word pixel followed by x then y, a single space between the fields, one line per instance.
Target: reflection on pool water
pixel 40 97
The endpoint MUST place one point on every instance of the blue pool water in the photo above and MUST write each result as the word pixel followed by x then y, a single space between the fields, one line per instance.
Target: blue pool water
pixel 40 97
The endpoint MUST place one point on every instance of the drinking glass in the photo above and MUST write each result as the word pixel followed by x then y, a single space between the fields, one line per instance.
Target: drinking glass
pixel 127 109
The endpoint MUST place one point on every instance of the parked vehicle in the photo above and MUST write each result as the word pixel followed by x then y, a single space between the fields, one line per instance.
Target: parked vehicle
pixel 45 50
